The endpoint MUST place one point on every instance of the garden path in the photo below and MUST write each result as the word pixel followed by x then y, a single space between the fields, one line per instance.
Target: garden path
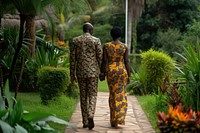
pixel 136 121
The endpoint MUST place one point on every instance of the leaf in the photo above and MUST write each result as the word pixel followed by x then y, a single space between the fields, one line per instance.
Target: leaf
pixel 56 120
pixel 15 115
pixel 3 113
pixel 20 129
pixel 6 128
pixel 8 95
pixel 35 116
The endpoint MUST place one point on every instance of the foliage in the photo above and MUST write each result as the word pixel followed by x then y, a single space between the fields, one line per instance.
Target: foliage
pixel 189 68
pixel 162 15
pixel 179 121
pixel 103 32
pixel 100 31
pixel 192 34
pixel 138 84
pixel 15 119
pixel 157 65
pixel 54 84
pixel 168 41
pixel 72 90
pixel 47 54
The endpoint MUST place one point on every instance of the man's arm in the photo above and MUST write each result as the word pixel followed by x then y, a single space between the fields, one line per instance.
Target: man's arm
pixel 99 53
pixel 72 61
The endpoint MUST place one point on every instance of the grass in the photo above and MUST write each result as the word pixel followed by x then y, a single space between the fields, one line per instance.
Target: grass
pixel 103 86
pixel 148 105
pixel 63 107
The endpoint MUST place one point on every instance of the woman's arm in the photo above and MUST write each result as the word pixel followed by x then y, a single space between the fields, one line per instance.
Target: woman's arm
pixel 127 65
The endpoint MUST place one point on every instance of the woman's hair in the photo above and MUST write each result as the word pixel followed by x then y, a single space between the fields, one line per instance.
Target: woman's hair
pixel 115 32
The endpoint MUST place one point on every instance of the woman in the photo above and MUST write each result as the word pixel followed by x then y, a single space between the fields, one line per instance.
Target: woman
pixel 115 66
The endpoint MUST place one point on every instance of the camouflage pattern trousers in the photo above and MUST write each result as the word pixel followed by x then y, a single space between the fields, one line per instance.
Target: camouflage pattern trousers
pixel 88 97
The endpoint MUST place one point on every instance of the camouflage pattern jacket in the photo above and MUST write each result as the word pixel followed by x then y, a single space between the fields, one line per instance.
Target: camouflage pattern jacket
pixel 85 56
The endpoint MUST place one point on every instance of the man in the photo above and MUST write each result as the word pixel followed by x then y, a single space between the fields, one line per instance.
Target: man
pixel 85 61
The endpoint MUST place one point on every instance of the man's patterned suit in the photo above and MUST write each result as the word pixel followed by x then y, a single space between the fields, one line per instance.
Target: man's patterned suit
pixel 85 61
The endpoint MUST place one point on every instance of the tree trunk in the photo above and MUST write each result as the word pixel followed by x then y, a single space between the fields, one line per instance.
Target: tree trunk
pixel 30 33
pixel 129 35
pixel 134 40
pixel 19 46
pixel 20 77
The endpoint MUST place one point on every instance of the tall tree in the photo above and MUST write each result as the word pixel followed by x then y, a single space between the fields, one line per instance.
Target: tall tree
pixel 135 8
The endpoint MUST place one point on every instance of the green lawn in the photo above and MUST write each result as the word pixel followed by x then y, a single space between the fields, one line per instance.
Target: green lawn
pixel 148 105
pixel 63 107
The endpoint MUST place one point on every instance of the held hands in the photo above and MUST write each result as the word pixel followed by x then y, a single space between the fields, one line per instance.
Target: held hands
pixel 102 76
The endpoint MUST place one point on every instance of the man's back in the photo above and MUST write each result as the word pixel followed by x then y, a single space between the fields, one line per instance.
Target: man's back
pixel 87 55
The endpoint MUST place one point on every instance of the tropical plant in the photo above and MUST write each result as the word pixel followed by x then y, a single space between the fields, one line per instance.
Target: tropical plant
pixel 179 121
pixel 14 119
pixel 138 84
pixel 189 70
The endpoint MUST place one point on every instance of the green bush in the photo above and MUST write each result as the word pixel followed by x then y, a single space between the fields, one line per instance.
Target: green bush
pixel 157 65
pixel 52 82
pixel 72 90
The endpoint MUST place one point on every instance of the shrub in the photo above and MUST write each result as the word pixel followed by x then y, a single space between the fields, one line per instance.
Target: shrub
pixel 72 90
pixel 52 82
pixel 157 65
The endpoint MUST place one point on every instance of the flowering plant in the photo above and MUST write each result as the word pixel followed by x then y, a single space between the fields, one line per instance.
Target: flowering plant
pixel 179 121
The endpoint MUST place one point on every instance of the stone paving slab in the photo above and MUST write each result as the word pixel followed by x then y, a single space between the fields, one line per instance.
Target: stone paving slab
pixel 136 121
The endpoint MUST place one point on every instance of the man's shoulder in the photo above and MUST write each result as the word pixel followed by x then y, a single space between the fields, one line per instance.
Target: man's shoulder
pixel 94 38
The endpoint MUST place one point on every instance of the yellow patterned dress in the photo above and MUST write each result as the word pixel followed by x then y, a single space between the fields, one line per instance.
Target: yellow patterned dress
pixel 117 80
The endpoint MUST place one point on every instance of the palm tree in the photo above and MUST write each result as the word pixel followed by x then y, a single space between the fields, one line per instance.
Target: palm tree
pixel 28 9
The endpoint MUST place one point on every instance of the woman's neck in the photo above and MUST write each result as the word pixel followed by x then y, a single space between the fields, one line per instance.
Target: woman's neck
pixel 116 41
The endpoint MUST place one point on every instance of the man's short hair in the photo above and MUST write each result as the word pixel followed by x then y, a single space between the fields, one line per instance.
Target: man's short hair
pixel 87 27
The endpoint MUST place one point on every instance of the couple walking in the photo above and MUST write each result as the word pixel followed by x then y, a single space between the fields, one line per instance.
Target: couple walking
pixel 89 62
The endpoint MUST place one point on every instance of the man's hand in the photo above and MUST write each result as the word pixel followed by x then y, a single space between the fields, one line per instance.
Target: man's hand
pixel 73 79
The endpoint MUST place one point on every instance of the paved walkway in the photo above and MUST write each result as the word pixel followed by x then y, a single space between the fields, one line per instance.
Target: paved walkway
pixel 136 121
